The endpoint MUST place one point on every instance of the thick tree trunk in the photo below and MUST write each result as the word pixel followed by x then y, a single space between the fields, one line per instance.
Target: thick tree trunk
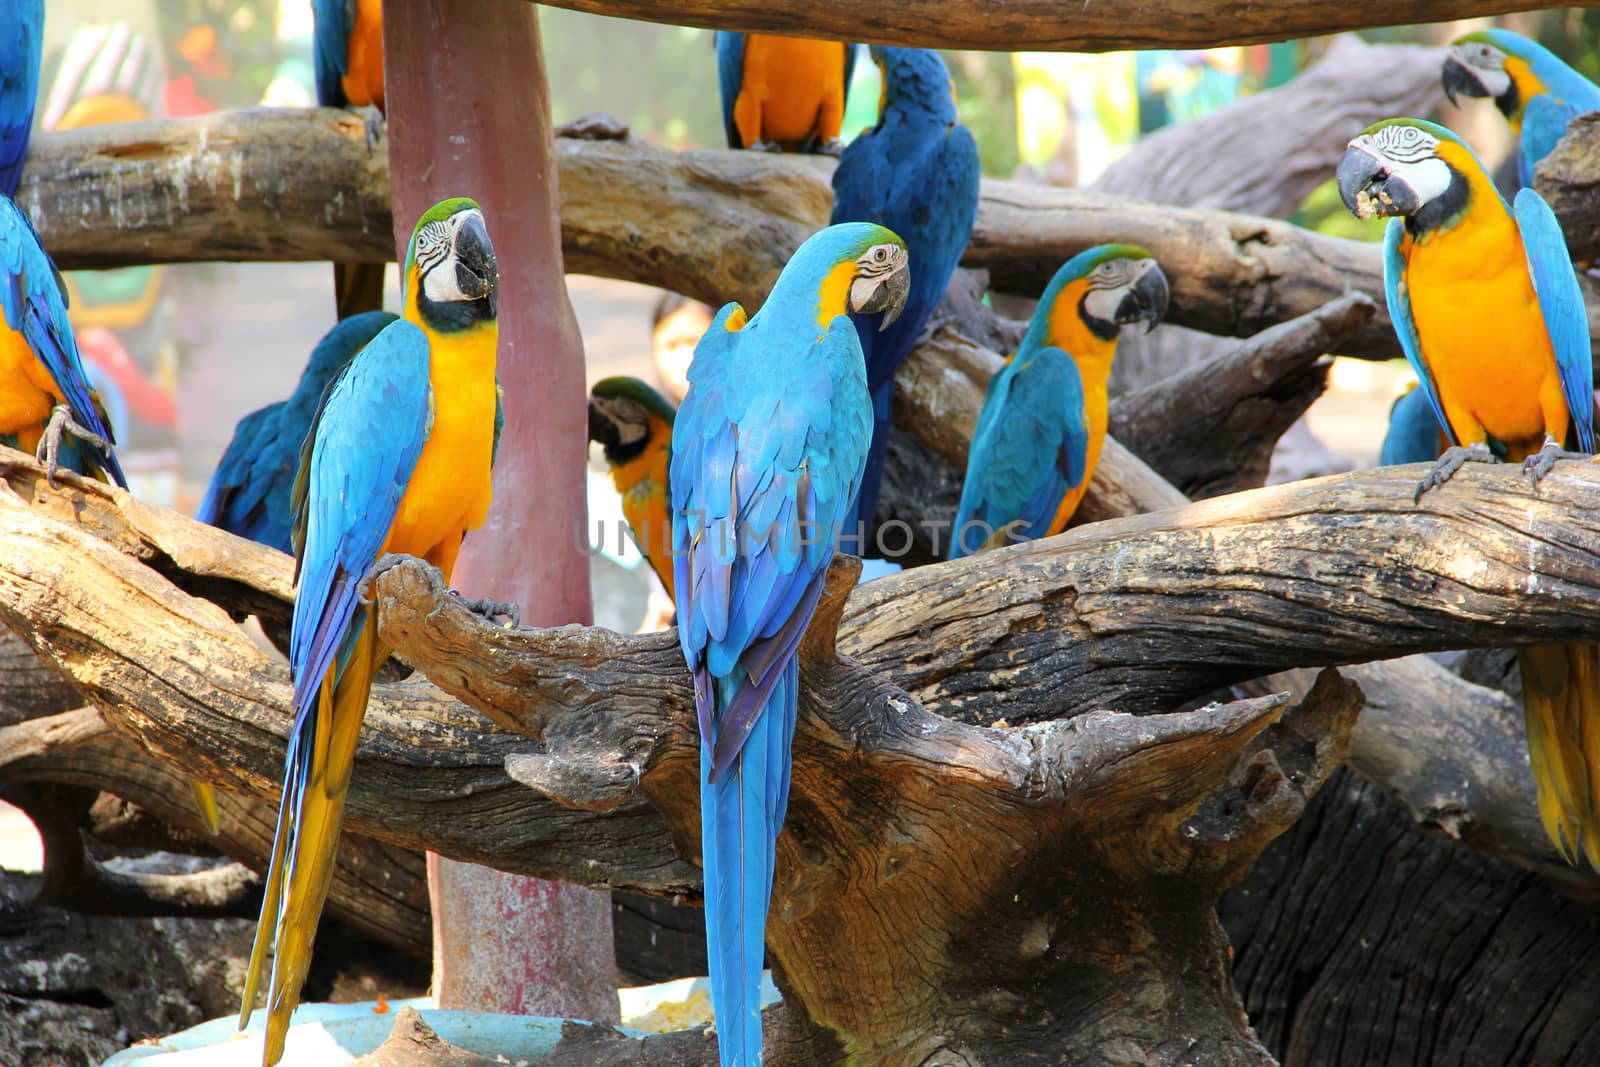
pixel 471 117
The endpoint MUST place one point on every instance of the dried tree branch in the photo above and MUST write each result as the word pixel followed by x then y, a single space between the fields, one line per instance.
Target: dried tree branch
pixel 1045 26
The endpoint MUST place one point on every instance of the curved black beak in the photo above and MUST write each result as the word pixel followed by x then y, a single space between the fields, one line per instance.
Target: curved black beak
pixel 602 430
pixel 1146 300
pixel 1368 189
pixel 477 274
pixel 1459 78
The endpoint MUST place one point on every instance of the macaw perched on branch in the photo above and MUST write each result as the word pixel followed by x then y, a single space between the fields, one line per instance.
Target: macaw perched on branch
pixel 633 425
pixel 1533 88
pixel 397 460
pixel 916 172
pixel 250 489
pixel 348 40
pixel 1043 422
pixel 1487 308
pixel 44 391
pixel 783 92
pixel 767 453
pixel 21 52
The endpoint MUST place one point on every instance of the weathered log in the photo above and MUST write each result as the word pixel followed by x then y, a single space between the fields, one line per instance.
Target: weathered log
pixel 1264 153
pixel 379 889
pixel 1211 429
pixel 715 225
pixel 1569 178
pixel 1361 942
pixel 1046 26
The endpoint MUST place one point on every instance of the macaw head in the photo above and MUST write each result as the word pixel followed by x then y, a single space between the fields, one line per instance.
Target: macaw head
pixel 1407 167
pixel 914 79
pixel 1477 67
pixel 1106 287
pixel 450 266
pixel 852 268
pixel 620 413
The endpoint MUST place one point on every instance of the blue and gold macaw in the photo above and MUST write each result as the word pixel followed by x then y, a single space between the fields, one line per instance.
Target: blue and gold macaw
pixel 1413 435
pixel 21 51
pixel 1487 308
pixel 633 425
pixel 916 172
pixel 250 490
pixel 767 452
pixel 1533 88
pixel 348 41
pixel 1043 423
pixel 397 460
pixel 44 391
pixel 783 92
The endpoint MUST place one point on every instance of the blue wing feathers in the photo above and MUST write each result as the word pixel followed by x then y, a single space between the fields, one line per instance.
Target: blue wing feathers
pixel 334 21
pixel 756 457
pixel 1561 305
pixel 1031 446
pixel 35 305
pixel 354 492
pixel 730 76
pixel 21 52
pixel 250 490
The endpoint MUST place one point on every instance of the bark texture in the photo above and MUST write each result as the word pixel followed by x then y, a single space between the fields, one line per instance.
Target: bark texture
pixel 1041 25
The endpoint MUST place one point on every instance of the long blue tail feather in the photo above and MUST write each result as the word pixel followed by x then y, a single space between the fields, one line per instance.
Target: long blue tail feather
pixel 740 817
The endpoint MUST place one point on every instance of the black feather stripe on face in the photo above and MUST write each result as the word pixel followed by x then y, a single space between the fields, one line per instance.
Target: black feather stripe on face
pixel 1442 210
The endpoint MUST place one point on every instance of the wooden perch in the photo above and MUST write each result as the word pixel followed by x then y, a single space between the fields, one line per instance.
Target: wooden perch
pixel 1042 25
pixel 714 225
pixel 1569 178
pixel 1211 429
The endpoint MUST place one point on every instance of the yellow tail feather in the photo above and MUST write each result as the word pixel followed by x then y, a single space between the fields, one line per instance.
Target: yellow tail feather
pixel 205 799
pixel 297 884
pixel 1561 709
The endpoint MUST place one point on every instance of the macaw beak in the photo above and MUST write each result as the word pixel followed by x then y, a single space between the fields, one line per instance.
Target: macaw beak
pixel 1368 189
pixel 602 430
pixel 1146 300
pixel 887 294
pixel 1459 78
pixel 477 274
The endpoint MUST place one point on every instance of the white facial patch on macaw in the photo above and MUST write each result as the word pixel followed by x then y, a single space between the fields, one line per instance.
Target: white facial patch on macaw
pixel 881 282
pixel 1487 63
pixel 436 259
pixel 1108 284
pixel 1407 154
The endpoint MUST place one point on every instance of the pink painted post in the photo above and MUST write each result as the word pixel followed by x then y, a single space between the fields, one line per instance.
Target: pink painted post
pixel 469 115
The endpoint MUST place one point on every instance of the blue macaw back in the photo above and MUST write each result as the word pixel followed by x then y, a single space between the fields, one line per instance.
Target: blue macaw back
pixel 767 451
pixel 35 305
pixel 1545 118
pixel 333 22
pixel 917 173
pixel 249 494
pixel 21 52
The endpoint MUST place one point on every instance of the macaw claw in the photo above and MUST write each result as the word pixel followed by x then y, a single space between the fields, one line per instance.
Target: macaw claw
pixel 387 562
pixel 49 450
pixel 1540 463
pixel 766 146
pixel 373 128
pixel 832 147
pixel 492 609
pixel 1449 463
